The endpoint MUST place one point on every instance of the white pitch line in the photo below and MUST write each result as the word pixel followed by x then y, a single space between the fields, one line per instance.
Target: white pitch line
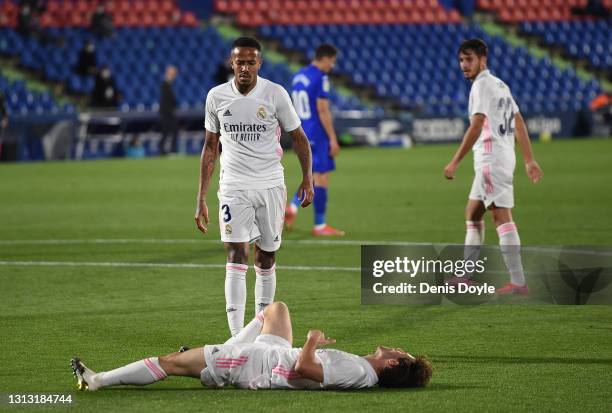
pixel 339 242
pixel 198 241
pixel 161 265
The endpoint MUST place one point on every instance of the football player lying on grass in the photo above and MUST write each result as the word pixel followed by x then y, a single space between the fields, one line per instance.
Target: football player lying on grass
pixel 261 356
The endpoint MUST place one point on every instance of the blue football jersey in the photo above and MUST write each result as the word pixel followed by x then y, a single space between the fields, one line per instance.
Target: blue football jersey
pixel 308 85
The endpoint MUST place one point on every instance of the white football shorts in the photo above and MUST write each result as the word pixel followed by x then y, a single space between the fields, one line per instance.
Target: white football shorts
pixel 493 185
pixel 253 215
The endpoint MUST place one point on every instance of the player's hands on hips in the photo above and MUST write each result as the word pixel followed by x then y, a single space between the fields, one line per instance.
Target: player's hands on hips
pixel 306 191
pixel 334 148
pixel 201 212
pixel 534 172
pixel 449 170
pixel 319 337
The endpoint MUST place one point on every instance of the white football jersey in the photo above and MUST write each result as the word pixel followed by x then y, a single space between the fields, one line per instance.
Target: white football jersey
pixel 342 370
pixel 261 366
pixel 250 133
pixel 491 97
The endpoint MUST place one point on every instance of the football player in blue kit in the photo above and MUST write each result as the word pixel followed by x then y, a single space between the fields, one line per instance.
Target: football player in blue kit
pixel 310 95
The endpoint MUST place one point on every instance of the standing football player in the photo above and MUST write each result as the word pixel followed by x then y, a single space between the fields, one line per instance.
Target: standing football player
pixel 310 96
pixel 245 115
pixel 495 122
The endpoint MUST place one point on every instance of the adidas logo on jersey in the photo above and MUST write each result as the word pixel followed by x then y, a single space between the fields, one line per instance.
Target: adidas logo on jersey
pixel 276 238
pixel 231 309
pixel 227 113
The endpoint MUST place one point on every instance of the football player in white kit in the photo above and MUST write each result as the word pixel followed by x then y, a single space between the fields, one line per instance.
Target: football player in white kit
pixel 495 122
pixel 245 115
pixel 261 357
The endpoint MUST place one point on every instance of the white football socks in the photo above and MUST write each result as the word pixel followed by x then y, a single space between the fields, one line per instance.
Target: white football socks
pixel 235 295
pixel 475 232
pixel 510 245
pixel 474 238
pixel 139 373
pixel 265 287
pixel 250 332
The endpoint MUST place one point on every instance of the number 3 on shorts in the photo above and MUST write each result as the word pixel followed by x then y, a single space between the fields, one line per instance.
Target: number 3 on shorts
pixel 227 217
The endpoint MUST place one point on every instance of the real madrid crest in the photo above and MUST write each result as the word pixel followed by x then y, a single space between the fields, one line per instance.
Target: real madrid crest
pixel 228 229
pixel 261 113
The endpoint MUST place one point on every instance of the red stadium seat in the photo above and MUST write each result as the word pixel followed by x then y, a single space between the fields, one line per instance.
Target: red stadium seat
pixel 80 19
pixel 123 8
pixel 189 19
pixel 235 6
pixel 138 6
pixel 132 20
pixel 161 19
pixel 119 20
pixel 428 16
pixel 222 6
pixel 147 19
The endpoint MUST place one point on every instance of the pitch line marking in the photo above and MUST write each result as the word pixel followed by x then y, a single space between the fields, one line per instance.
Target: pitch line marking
pixel 339 242
pixel 161 265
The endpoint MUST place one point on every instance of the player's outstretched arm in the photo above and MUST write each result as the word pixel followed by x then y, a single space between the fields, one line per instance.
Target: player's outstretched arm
pixel 207 167
pixel 302 149
pixel 469 139
pixel 522 136
pixel 307 365
pixel 328 124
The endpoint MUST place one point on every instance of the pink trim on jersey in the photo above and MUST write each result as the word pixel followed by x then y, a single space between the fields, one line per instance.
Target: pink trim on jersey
pixel 486 170
pixel 236 267
pixel 506 228
pixel 265 271
pixel 279 149
pixel 224 363
pixel 487 137
pixel 154 369
pixel 285 372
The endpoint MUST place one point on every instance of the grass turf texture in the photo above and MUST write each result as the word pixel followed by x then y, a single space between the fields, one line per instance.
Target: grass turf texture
pixel 499 357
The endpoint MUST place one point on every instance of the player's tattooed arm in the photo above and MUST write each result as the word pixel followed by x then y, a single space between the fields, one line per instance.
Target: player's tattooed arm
pixel 302 149
pixel 208 159
pixel 307 365
pixel 469 139
pixel 522 136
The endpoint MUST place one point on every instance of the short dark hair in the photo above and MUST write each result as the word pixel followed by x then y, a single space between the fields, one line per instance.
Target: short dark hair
pixel 247 42
pixel 325 50
pixel 478 46
pixel 407 373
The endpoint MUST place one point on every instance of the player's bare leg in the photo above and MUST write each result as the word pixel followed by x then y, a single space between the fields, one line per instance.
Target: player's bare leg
pixel 237 252
pixel 189 363
pixel 235 284
pixel 474 210
pixel 510 245
pixel 321 179
pixel 321 228
pixel 277 321
pixel 265 278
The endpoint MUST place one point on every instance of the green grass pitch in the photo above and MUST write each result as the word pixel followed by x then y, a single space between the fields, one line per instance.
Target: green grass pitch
pixel 486 358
